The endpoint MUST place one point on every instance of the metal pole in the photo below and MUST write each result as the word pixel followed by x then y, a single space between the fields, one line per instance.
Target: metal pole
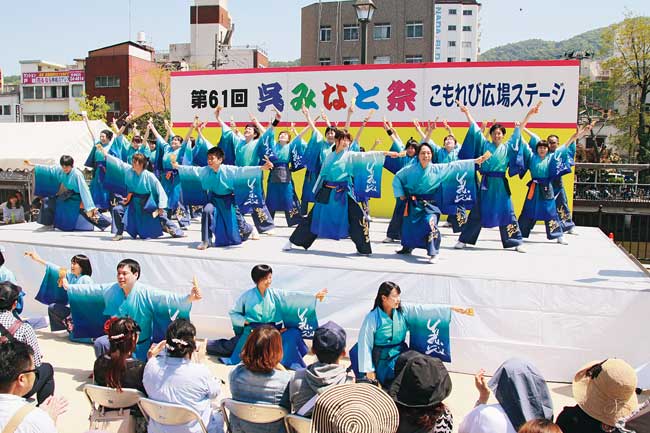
pixel 363 42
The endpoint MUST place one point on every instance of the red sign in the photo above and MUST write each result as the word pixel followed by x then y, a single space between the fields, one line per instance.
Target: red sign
pixel 62 77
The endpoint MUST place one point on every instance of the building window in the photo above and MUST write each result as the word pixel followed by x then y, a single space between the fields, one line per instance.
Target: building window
pixel 381 60
pixel 452 11
pixel 414 59
pixel 414 29
pixel 56 118
pixel 467 28
pixel 467 59
pixel 351 61
pixel 65 91
pixel 451 59
pixel 350 32
pixel 28 92
pixel 77 90
pixel 381 31
pixel 6 110
pixel 115 106
pixel 467 44
pixel 325 33
pixel 451 28
pixel 28 118
pixel 467 12
pixel 101 82
pixel 452 43
pixel 325 61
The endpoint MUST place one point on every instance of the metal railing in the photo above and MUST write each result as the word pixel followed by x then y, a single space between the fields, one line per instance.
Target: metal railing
pixel 606 191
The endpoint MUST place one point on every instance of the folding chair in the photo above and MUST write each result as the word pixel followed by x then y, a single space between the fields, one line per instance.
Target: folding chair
pixel 110 407
pixel 170 413
pixel 251 412
pixel 297 424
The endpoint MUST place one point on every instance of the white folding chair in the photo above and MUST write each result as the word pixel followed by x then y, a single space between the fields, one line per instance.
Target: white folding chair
pixel 251 412
pixel 111 398
pixel 170 413
pixel 297 424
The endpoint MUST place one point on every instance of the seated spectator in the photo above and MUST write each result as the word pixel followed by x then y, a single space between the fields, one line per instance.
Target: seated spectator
pixel 173 377
pixel 12 210
pixel 521 393
pixel 13 329
pixel 117 369
pixel 329 347
pixel 355 407
pixel 605 393
pixel 260 378
pixel 17 377
pixel 540 426
pixel 421 384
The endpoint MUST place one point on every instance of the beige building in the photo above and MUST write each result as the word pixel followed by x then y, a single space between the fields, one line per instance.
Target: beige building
pixel 401 31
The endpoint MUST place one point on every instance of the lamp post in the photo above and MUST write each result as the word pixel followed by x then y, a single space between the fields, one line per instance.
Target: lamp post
pixel 365 10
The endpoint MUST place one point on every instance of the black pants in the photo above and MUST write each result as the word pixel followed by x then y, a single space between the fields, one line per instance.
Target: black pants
pixel 359 229
pixel 44 386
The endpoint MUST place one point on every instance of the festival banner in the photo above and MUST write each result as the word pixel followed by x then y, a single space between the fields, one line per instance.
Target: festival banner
pixel 60 77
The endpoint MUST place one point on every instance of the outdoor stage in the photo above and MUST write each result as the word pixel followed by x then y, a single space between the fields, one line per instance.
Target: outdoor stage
pixel 560 306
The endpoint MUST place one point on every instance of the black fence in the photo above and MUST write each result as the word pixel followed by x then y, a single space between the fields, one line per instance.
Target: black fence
pixel 631 231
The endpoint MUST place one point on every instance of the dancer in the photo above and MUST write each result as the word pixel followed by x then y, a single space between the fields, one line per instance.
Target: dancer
pixel 337 214
pixel 494 206
pixel 7 275
pixel 217 188
pixel 416 184
pixel 67 201
pixel 124 149
pixel 100 195
pixel 265 305
pixel 53 294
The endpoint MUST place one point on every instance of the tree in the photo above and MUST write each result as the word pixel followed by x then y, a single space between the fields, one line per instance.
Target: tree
pixel 96 107
pixel 629 67
pixel 153 87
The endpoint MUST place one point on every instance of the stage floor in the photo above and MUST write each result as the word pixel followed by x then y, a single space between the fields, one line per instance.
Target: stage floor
pixel 560 306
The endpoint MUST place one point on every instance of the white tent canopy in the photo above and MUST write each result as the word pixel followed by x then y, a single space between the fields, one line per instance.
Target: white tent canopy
pixel 45 142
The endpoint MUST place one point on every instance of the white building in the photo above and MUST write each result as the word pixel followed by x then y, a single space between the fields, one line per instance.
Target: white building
pixel 10 103
pixel 48 90
pixel 456 31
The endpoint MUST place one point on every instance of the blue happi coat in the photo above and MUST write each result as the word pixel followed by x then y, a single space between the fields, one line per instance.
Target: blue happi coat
pixel 286 158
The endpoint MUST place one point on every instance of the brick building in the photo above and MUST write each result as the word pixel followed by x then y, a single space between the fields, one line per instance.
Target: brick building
pixel 401 31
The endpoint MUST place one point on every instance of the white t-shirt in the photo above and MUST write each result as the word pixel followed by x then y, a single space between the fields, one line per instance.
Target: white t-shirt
pixel 37 421
pixel 486 418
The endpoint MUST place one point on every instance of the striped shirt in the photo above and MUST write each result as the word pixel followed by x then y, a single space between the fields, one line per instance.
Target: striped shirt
pixel 24 333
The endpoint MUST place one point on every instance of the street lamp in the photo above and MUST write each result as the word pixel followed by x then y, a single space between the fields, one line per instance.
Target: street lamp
pixel 365 10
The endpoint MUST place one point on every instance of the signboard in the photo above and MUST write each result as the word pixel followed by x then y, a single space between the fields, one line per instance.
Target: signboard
pixel 61 77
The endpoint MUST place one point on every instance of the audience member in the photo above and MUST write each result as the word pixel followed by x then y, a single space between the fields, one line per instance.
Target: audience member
pixel 173 377
pixel 329 347
pixel 540 426
pixel 260 378
pixel 117 369
pixel 605 393
pixel 18 375
pixel 13 329
pixel 355 407
pixel 421 384
pixel 521 392
pixel 12 210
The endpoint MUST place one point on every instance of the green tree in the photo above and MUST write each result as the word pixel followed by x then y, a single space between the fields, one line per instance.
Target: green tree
pixel 96 107
pixel 629 68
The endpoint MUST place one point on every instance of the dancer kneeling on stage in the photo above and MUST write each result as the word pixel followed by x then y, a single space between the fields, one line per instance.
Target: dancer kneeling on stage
pixel 216 186
pixel 336 213
pixel 67 202
pixel 416 184
pixel 292 312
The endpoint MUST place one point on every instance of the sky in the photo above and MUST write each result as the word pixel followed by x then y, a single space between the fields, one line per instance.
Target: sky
pixel 60 31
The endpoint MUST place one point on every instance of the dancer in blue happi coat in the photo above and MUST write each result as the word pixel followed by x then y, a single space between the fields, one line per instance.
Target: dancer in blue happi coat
pixel 180 149
pixel 249 150
pixel 493 207
pixel 142 211
pixel 219 188
pixel 122 147
pixel 52 291
pixel 7 275
pixel 416 184
pixel 336 213
pixel 67 201
pixel 294 313
pixel 151 308
pixel 96 161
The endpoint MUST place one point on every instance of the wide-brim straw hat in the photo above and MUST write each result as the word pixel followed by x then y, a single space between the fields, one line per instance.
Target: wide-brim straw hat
pixel 354 407
pixel 605 390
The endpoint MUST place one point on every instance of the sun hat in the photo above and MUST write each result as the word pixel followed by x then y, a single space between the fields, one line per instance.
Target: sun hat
pixel 420 381
pixel 605 390
pixel 354 407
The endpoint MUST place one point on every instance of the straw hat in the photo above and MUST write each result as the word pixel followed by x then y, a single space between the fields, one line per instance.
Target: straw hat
pixel 606 390
pixel 354 407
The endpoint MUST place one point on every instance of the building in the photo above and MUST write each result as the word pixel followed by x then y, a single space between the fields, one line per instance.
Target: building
pixel 210 47
pixel 401 31
pixel 126 75
pixel 49 90
pixel 10 103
